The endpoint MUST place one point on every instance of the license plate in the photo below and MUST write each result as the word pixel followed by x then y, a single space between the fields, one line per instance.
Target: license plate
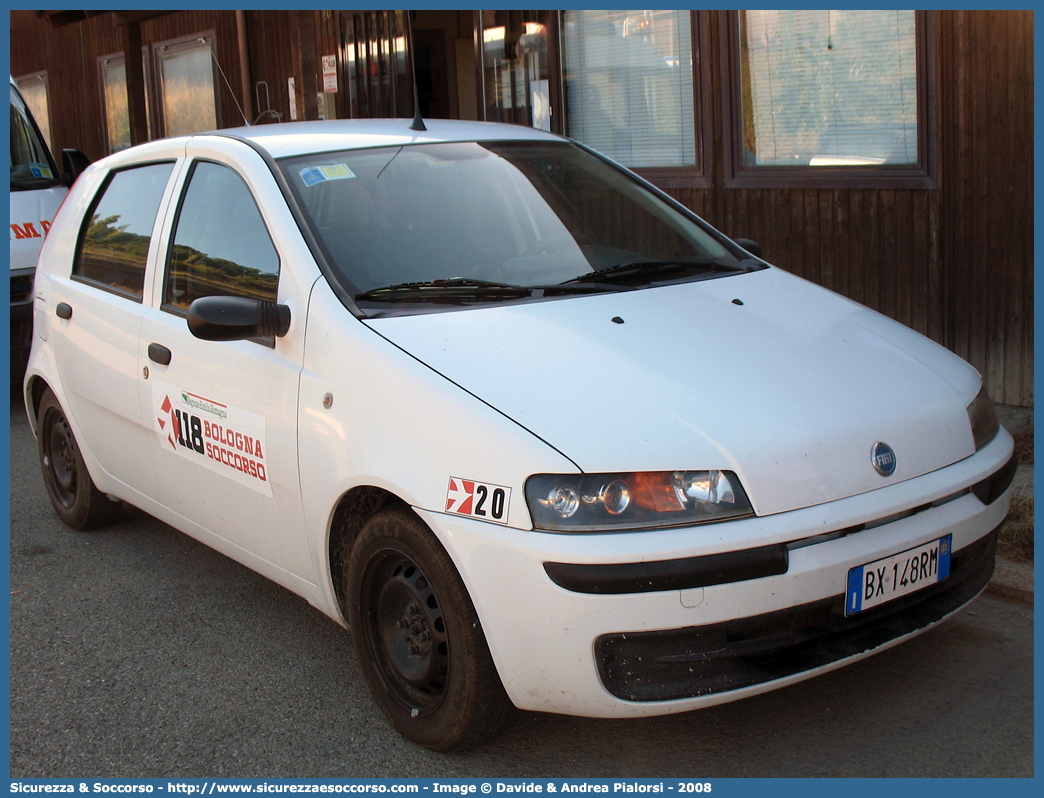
pixel 883 580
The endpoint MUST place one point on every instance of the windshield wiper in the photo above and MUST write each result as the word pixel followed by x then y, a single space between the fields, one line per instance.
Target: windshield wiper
pixel 463 289
pixel 646 267
pixel 446 289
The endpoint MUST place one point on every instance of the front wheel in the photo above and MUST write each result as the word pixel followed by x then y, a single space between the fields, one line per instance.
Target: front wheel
pixel 418 639
pixel 73 493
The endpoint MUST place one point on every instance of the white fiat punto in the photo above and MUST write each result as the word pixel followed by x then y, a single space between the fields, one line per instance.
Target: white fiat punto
pixel 537 434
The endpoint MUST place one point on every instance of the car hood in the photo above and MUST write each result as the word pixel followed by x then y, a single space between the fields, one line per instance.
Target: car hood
pixel 762 373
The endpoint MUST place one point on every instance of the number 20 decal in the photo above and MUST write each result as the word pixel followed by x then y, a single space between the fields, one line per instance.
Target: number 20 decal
pixel 478 500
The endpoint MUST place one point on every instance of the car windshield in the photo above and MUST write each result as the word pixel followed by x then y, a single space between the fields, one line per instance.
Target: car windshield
pixel 31 164
pixel 493 222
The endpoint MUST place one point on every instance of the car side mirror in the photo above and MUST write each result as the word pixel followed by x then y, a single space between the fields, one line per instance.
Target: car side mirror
pixel 73 164
pixel 753 247
pixel 235 318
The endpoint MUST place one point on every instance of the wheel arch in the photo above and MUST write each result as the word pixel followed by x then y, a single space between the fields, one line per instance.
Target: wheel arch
pixel 35 389
pixel 351 513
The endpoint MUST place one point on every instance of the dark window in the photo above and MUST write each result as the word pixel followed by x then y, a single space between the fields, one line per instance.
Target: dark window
pixel 828 95
pixel 378 86
pixel 517 64
pixel 115 244
pixel 221 245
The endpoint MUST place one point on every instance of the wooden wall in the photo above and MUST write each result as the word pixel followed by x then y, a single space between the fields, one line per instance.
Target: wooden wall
pixel 954 262
pixel 986 195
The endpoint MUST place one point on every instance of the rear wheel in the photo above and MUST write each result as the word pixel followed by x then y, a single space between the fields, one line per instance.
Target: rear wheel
pixel 73 493
pixel 418 639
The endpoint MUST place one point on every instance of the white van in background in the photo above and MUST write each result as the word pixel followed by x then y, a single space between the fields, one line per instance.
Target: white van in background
pixel 37 189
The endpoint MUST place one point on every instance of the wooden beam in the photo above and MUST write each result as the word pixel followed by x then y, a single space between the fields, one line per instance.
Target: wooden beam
pixel 128 17
pixel 59 19
pixel 139 126
pixel 246 82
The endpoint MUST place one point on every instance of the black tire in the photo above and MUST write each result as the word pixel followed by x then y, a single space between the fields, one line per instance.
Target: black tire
pixel 418 639
pixel 73 493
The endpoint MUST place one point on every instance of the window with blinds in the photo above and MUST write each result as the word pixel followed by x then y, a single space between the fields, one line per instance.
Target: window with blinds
pixel 828 88
pixel 628 85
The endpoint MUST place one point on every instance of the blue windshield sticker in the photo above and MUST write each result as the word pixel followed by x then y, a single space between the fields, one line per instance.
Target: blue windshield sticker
pixel 40 170
pixel 331 171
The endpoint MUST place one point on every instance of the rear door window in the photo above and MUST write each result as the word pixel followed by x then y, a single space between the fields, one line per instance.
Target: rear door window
pixel 114 244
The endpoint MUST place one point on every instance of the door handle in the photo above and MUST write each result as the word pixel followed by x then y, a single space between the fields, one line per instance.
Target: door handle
pixel 159 354
pixel 63 311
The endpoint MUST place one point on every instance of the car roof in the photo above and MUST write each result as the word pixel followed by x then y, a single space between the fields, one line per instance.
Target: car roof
pixel 300 138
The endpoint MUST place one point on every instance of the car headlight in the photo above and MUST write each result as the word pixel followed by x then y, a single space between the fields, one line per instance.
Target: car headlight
pixel 636 500
pixel 983 419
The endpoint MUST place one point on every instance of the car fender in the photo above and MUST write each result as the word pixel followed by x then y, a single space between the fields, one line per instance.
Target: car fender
pixel 394 423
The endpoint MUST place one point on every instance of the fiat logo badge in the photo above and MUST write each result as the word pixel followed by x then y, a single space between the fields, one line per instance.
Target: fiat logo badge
pixel 883 458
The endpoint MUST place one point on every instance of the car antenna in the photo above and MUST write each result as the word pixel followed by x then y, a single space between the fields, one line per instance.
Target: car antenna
pixel 418 123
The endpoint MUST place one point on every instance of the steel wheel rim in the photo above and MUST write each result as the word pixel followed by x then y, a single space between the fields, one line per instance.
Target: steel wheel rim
pixel 405 632
pixel 61 460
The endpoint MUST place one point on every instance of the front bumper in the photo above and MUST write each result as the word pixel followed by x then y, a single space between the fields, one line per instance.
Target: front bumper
pixel 702 660
pixel 647 651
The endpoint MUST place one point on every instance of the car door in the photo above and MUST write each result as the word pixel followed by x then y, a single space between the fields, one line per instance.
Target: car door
pixel 224 413
pixel 94 315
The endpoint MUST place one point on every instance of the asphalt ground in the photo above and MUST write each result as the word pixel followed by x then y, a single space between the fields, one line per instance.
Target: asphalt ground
pixel 138 652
